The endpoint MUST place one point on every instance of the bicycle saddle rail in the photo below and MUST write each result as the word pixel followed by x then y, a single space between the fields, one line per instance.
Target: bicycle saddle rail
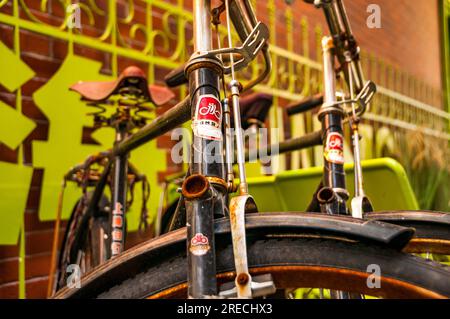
pixel 97 91
pixel 300 223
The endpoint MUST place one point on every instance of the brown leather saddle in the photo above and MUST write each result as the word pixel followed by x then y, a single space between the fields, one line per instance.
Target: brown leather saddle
pixel 132 76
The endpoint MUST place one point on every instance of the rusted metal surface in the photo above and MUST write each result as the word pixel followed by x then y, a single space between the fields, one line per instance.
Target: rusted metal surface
pixel 237 221
pixel 242 279
pixel 326 195
pixel 195 186
pixel 432 246
pixel 323 277
pixel 217 181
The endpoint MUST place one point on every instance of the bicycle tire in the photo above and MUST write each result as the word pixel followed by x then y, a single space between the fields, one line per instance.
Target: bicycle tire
pixel 72 243
pixel 295 260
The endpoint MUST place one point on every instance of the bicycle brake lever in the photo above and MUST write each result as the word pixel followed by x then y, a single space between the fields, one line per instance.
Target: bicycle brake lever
pixel 363 98
pixel 365 95
pixel 248 51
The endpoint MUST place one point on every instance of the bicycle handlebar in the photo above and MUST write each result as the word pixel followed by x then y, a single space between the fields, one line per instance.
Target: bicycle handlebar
pixel 293 144
pixel 344 41
pixel 305 105
pixel 244 21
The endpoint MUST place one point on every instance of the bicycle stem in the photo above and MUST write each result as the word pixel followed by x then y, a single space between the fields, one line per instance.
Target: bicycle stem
pixel 339 26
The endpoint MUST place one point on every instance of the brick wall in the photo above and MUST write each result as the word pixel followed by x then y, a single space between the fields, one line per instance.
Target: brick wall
pixel 409 39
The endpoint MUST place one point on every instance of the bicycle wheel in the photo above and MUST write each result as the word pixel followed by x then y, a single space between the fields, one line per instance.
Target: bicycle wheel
pixel 295 260
pixel 82 245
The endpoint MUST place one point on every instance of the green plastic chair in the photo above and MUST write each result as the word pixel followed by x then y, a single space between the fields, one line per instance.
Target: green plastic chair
pixel 385 183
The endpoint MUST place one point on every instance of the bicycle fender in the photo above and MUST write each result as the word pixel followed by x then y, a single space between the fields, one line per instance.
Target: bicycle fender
pixel 428 224
pixel 422 216
pixel 302 224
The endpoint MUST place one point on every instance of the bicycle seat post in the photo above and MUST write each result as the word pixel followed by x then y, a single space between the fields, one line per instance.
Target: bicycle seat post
pixel 130 94
pixel 119 190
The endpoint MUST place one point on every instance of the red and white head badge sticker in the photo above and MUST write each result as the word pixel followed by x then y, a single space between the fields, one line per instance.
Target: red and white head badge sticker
pixel 207 122
pixel 334 148
pixel 199 245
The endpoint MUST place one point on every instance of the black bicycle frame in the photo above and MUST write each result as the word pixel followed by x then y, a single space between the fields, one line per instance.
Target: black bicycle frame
pixel 92 207
pixel 204 190
pixel 119 195
pixel 333 194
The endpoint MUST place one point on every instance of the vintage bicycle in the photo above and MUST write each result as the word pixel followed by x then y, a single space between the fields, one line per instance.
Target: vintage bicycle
pixel 88 235
pixel 91 231
pixel 232 250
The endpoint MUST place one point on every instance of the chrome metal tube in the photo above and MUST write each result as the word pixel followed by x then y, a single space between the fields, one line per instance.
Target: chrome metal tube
pixel 329 97
pixel 202 25
pixel 228 140
pixel 359 191
pixel 339 25
pixel 243 17
pixel 240 150
pixel 330 116
pixel 234 87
